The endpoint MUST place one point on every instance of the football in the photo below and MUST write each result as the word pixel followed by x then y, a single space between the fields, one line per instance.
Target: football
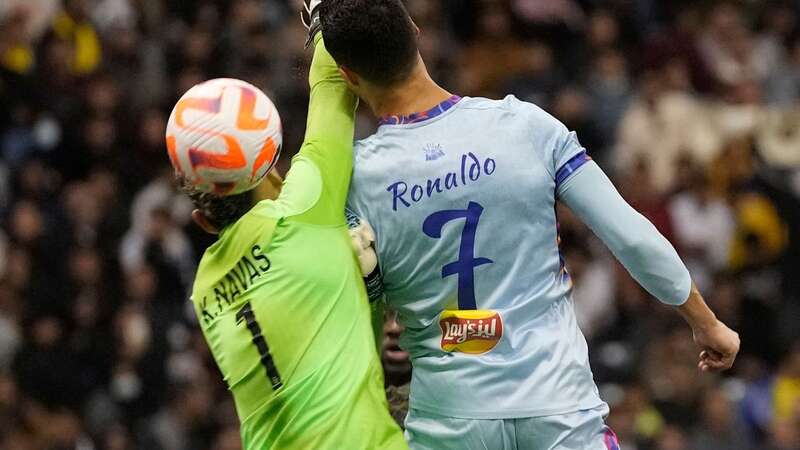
pixel 223 136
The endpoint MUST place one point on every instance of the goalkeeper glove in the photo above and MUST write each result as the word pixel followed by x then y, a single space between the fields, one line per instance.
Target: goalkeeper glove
pixel 363 239
pixel 309 15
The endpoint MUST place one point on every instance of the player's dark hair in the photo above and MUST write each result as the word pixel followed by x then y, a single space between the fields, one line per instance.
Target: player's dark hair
pixel 220 211
pixel 374 38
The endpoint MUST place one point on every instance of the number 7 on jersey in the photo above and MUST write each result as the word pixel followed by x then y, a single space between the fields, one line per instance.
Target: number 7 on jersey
pixel 466 263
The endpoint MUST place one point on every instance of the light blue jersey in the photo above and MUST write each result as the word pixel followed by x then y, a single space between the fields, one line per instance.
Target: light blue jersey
pixel 462 201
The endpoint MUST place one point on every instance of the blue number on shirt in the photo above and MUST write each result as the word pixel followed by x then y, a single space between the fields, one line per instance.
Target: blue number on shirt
pixel 467 262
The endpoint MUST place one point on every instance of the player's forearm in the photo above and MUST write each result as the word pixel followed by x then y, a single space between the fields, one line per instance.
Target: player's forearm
pixel 331 110
pixel 330 129
pixel 634 241
pixel 696 312
pixel 719 343
pixel 650 259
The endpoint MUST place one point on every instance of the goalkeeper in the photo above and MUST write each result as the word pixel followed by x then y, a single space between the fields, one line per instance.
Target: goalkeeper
pixel 280 298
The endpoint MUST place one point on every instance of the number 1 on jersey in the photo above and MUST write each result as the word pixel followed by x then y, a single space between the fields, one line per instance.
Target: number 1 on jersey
pixel 246 314
pixel 465 266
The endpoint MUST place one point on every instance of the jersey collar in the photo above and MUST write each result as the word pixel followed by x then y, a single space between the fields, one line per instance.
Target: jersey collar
pixel 420 116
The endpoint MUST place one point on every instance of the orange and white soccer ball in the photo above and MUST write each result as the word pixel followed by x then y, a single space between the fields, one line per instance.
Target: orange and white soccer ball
pixel 224 136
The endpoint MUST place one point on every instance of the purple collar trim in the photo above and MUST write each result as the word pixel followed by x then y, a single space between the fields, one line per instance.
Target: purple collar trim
pixel 420 116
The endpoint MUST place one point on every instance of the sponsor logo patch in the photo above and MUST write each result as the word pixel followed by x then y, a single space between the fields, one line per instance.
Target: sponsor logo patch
pixel 470 331
pixel 433 152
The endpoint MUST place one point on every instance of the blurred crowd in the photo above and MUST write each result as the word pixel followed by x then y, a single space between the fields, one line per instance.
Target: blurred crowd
pixel 693 108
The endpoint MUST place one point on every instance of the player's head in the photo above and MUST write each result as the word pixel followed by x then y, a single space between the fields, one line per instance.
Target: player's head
pixel 214 212
pixel 373 41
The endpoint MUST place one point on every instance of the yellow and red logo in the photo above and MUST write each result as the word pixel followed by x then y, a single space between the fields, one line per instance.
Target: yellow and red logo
pixel 470 331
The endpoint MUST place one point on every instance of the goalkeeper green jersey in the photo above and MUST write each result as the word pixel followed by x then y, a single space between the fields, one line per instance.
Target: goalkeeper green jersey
pixel 282 305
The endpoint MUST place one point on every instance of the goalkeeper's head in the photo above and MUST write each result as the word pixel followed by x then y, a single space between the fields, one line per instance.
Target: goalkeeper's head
pixel 213 212
pixel 374 42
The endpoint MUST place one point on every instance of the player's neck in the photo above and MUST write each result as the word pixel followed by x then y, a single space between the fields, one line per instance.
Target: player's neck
pixel 416 94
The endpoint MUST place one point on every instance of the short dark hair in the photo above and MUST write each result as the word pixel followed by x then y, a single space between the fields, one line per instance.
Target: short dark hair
pixel 374 38
pixel 220 211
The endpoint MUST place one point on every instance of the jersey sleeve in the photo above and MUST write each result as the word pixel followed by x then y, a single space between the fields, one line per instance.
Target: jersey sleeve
pixel 316 186
pixel 634 241
pixel 569 157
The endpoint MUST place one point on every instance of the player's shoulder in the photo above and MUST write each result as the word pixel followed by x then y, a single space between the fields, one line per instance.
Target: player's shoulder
pixel 543 128
pixel 534 114
pixel 518 116
pixel 510 103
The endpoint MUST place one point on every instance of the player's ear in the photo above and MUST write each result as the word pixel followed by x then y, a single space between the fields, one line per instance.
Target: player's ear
pixel 202 221
pixel 416 28
pixel 349 76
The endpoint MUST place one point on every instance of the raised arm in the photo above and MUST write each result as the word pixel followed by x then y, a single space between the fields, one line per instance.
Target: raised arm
pixel 330 126
pixel 650 259
pixel 316 186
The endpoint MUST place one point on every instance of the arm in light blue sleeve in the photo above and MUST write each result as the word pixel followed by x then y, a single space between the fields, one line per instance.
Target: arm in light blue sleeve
pixel 634 241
